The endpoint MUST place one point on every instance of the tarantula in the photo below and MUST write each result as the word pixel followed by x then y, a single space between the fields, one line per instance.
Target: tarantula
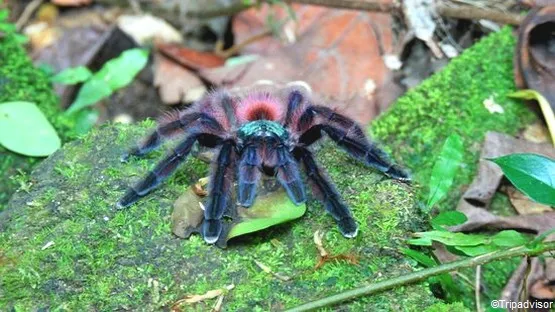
pixel 265 130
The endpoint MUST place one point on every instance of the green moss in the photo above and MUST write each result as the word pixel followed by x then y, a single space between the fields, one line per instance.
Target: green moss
pixel 21 81
pixel 443 307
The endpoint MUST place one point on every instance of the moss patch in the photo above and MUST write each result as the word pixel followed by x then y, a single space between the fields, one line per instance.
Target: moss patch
pixel 21 81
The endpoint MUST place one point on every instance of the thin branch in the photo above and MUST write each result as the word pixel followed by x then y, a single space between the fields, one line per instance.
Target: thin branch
pixel 27 13
pixel 477 289
pixel 454 11
pixel 421 275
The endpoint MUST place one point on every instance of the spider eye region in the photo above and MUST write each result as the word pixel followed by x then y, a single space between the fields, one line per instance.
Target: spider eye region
pixel 262 128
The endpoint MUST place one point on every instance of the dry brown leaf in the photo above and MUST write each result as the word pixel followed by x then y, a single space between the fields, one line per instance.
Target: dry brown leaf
pixel 537 133
pixel 191 299
pixel 175 83
pixel 267 269
pixel 534 59
pixel 188 57
pixel 325 257
pixel 337 52
pixel 522 203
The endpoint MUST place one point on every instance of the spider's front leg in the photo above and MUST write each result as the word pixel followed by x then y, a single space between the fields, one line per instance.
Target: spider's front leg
pixel 220 189
pixel 248 175
pixel 348 135
pixel 162 170
pixel 328 194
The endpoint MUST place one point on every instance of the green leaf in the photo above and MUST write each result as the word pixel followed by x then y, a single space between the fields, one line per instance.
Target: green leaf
pixel 275 208
pixel 4 14
pixel 444 169
pixel 421 241
pixel 115 74
pixel 85 120
pixel 25 130
pixel 474 251
pixel 532 174
pixel 509 238
pixel 72 75
pixel 421 258
pixel 539 239
pixel 448 218
pixel 454 239
pixel 120 71
pixel 91 92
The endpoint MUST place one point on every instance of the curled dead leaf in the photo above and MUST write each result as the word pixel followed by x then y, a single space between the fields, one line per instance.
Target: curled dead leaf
pixel 534 62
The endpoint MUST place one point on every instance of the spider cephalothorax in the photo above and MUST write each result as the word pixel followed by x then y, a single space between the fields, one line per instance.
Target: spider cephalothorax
pixel 265 130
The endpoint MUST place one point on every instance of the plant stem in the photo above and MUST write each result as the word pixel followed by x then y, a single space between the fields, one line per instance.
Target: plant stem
pixel 417 276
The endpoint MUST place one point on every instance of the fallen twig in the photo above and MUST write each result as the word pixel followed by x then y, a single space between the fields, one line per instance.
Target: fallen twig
pixel 441 7
pixel 417 276
pixel 27 13
pixel 266 269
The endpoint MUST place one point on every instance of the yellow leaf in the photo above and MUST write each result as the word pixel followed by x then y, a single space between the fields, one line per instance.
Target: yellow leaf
pixel 544 106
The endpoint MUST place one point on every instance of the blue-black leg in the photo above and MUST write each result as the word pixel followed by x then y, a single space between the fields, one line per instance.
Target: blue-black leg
pixel 162 132
pixel 162 170
pixel 328 194
pixel 349 136
pixel 248 175
pixel 219 193
pixel 287 173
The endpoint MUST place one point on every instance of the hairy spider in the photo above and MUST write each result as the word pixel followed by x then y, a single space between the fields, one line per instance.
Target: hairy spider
pixel 265 130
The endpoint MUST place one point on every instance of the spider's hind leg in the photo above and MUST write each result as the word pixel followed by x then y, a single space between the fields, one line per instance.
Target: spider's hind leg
pixel 328 194
pixel 348 135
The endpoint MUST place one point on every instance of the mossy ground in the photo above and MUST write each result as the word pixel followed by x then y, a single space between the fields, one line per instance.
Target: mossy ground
pixel 104 259
pixel 21 81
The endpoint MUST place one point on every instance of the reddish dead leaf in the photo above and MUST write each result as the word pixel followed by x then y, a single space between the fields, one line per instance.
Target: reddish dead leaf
pixel 71 2
pixel 338 52
pixel 534 58
pixel 175 83
pixel 542 289
pixel 190 58
pixel 325 257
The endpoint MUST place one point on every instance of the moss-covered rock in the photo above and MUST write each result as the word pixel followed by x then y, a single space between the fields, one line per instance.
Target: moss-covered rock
pixel 103 258
pixel 21 81
pixel 65 246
